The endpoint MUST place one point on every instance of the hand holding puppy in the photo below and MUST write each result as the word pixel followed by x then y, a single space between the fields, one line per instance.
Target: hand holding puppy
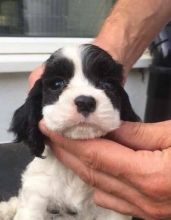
pixel 132 177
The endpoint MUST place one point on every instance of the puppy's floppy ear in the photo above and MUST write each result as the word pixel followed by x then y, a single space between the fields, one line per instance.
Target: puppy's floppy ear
pixel 26 118
pixel 127 112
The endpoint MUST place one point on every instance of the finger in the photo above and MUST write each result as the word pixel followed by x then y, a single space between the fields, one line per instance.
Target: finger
pixel 107 156
pixel 114 203
pixel 93 153
pixel 35 75
pixel 129 194
pixel 136 168
pixel 92 177
pixel 51 134
pixel 97 179
pixel 147 136
pixel 113 186
pixel 74 164
pixel 102 181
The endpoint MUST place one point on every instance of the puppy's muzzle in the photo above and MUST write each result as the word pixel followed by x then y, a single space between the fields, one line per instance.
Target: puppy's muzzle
pixel 85 104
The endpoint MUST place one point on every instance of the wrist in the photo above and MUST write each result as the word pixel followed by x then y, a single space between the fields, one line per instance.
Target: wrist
pixel 113 38
pixel 130 28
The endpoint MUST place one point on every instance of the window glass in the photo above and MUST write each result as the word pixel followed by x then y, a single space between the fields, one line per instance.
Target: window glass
pixel 50 18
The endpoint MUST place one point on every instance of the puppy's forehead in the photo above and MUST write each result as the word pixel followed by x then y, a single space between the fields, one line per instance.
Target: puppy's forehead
pixel 72 53
pixel 94 62
pixel 86 61
pixel 84 58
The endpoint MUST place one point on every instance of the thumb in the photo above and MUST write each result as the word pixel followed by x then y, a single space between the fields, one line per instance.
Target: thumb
pixel 143 136
pixel 35 75
pixel 52 135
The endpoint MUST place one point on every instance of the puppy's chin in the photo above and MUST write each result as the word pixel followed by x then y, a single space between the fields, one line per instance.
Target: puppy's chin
pixel 83 131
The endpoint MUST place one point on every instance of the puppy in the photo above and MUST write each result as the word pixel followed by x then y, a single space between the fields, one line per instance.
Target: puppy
pixel 79 96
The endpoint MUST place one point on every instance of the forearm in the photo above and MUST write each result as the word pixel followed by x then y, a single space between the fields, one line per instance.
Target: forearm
pixel 130 28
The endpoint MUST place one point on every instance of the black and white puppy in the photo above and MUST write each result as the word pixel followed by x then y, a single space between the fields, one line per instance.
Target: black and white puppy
pixel 79 96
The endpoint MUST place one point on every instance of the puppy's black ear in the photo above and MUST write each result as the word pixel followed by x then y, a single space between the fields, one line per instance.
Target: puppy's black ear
pixel 127 112
pixel 26 118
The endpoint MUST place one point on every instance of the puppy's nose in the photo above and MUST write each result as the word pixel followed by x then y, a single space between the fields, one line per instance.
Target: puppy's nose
pixel 85 104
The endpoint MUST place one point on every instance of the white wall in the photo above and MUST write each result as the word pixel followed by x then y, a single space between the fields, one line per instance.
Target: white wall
pixel 13 90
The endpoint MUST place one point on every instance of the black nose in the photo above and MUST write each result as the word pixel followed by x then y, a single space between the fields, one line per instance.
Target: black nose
pixel 85 104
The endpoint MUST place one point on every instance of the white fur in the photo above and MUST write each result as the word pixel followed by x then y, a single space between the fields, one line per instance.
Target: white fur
pixel 46 183
pixel 63 117
pixel 8 209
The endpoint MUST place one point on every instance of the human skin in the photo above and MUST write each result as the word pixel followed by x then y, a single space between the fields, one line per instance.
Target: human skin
pixel 131 171
pixel 130 28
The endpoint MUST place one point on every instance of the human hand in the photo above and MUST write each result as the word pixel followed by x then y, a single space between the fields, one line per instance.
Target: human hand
pixel 35 75
pixel 133 181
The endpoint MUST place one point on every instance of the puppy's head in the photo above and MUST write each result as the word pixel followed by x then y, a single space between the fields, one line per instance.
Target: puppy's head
pixel 79 96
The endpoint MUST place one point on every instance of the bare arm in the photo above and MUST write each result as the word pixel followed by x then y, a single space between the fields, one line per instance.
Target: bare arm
pixel 128 30
pixel 131 26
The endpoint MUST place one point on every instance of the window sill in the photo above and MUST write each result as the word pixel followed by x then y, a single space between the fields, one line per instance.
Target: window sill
pixel 27 62
pixel 24 54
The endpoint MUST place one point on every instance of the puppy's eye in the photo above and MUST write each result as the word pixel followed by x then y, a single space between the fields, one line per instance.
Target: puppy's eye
pixel 57 84
pixel 106 84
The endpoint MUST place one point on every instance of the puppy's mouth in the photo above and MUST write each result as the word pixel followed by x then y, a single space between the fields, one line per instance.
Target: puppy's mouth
pixel 81 125
pixel 83 130
pixel 85 124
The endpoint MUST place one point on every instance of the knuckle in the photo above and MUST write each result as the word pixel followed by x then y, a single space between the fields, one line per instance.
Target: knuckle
pixel 155 188
pixel 91 158
pixel 88 176
pixel 157 213
pixel 152 210
pixel 163 141
pixel 138 129
pixel 156 192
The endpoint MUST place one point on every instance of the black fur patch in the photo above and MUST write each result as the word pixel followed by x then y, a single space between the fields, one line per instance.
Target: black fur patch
pixel 106 74
pixel 25 121
pixel 57 68
pixel 98 67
